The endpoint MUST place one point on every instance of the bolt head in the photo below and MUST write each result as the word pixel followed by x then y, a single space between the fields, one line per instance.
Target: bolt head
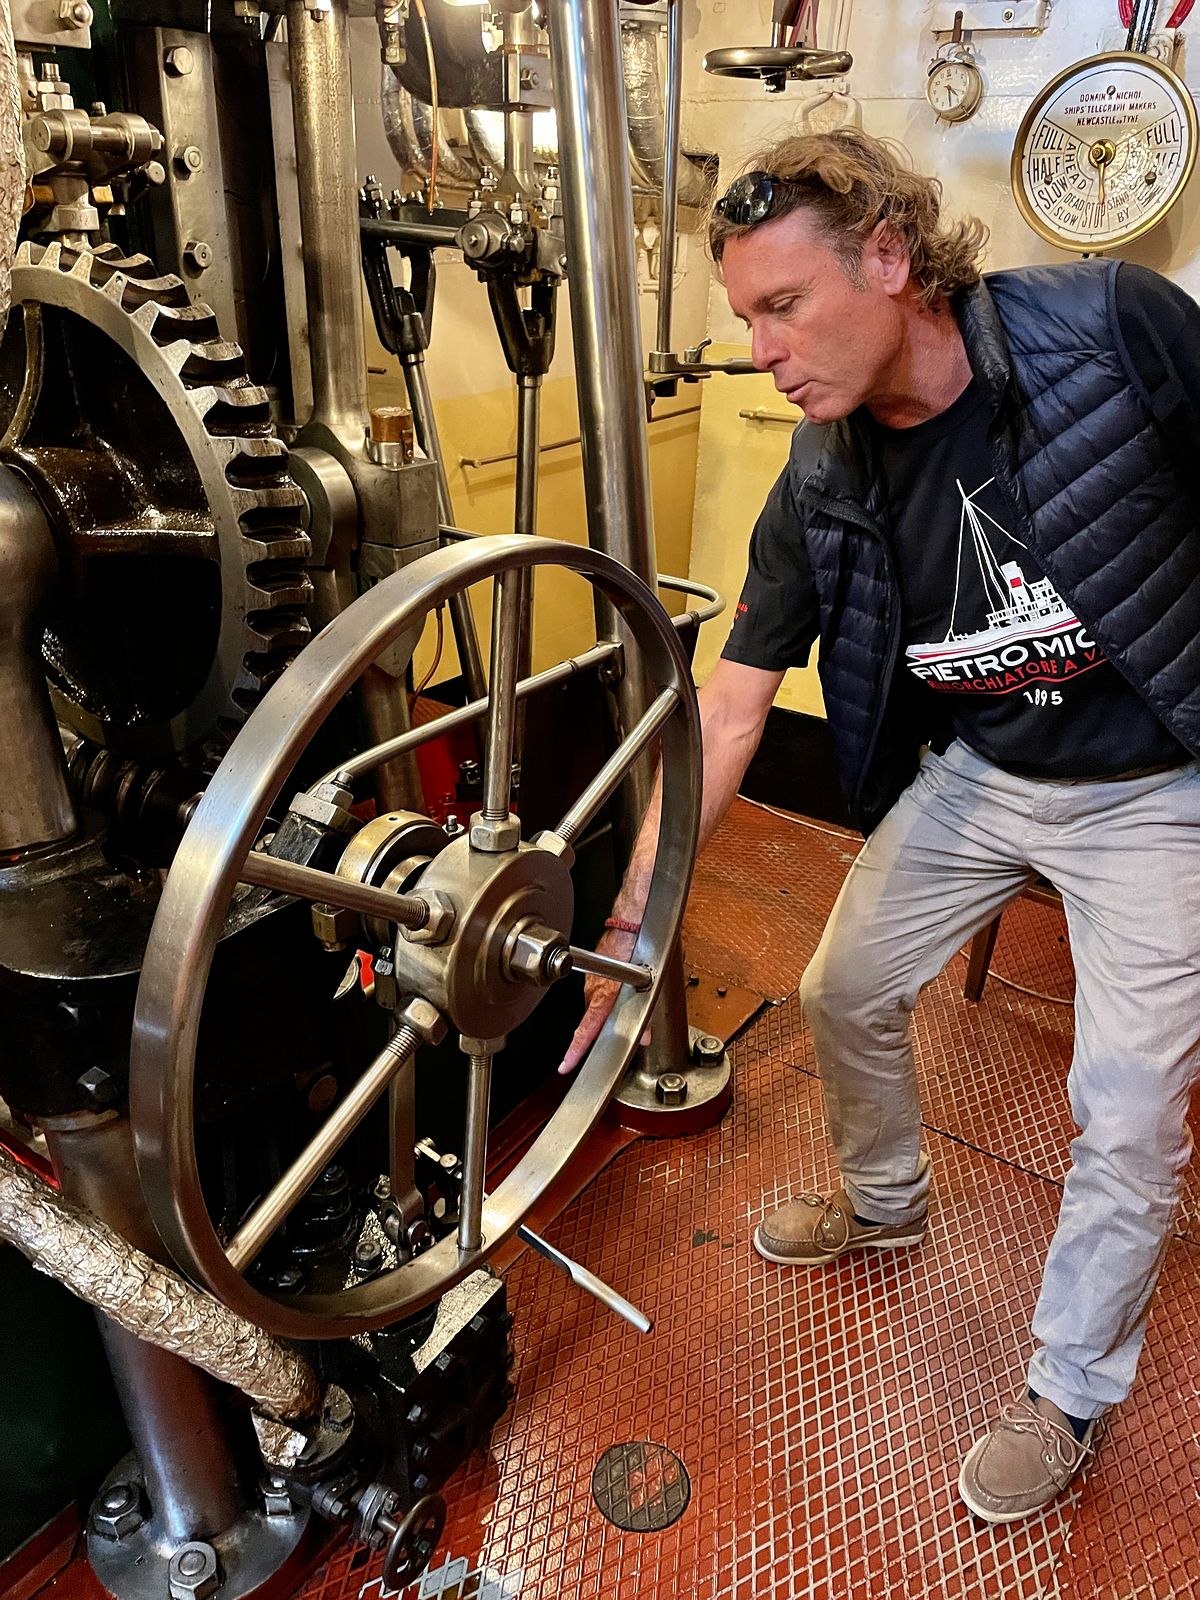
pixel 118 1512
pixel 193 1573
pixel 179 61
pixel 100 1089
pixel 671 1088
pixel 198 255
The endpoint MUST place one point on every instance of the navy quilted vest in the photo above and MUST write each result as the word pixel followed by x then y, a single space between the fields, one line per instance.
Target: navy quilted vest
pixel 1109 511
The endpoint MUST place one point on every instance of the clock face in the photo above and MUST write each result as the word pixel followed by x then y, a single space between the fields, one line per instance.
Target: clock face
pixel 954 89
pixel 1104 151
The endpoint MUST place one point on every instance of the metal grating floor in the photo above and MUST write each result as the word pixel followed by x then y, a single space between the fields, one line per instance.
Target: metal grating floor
pixel 822 1416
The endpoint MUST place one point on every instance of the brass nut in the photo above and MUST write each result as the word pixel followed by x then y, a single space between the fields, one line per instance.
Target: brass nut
pixel 334 926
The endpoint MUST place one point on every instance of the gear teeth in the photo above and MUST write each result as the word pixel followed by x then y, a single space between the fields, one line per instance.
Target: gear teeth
pixel 268 506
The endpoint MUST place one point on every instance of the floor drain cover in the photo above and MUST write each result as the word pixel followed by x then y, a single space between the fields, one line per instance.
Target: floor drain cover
pixel 640 1486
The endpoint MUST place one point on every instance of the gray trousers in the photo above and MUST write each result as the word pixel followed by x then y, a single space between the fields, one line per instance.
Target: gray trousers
pixel 959 844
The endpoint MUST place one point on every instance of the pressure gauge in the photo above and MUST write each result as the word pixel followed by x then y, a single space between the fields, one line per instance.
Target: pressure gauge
pixel 954 87
pixel 1104 151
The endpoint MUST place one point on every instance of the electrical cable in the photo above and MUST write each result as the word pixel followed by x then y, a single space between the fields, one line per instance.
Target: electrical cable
pixel 435 106
pixel 801 822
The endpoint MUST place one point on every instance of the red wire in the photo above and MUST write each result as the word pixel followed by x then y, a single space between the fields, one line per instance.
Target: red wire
pixel 25 1157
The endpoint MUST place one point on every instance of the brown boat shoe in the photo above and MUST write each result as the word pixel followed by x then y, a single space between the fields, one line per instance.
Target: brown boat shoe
pixel 1024 1462
pixel 816 1229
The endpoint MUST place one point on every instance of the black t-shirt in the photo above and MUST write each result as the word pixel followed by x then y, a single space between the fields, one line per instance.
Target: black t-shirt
pixel 1000 660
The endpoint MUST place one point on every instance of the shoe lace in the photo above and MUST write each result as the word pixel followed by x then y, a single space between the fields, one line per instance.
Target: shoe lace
pixel 831 1207
pixel 1061 1448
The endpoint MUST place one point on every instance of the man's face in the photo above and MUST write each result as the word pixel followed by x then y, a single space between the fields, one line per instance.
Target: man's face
pixel 830 344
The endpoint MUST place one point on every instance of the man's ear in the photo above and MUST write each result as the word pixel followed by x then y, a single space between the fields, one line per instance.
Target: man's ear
pixel 885 257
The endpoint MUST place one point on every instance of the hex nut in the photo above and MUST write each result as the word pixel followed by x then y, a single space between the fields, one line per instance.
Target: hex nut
pixel 671 1088
pixel 425 1018
pixel 198 255
pixel 494 837
pixel 439 922
pixel 188 159
pixel 555 845
pixel 708 1048
pixel 99 1087
pixel 277 1502
pixel 118 1511
pixel 193 1573
pixel 178 60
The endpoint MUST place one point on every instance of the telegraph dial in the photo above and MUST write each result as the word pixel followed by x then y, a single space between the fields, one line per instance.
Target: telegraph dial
pixel 1104 151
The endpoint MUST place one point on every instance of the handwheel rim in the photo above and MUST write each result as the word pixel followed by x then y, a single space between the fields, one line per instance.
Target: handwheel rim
pixel 204 875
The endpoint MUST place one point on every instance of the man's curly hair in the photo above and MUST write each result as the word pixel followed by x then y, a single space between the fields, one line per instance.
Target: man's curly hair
pixel 850 182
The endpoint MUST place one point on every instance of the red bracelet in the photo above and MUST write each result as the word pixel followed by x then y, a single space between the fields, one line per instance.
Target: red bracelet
pixel 620 925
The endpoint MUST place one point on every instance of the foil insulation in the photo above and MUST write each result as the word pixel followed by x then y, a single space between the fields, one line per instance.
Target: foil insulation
pixel 147 1299
pixel 12 158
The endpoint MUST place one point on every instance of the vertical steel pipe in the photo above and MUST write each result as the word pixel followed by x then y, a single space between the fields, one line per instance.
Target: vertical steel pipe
pixel 327 163
pixel 670 193
pixel 179 1428
pixel 585 47
pixel 529 428
pixel 474 1165
pixel 502 696
pixel 462 618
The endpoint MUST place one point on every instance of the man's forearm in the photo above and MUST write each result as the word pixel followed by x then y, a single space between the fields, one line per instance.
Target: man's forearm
pixel 727 752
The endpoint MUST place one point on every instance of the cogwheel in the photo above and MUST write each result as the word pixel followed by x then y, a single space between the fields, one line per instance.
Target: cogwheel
pixel 179 530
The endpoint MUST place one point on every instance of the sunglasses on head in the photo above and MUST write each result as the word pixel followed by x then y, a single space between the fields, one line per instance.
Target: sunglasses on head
pixel 751 199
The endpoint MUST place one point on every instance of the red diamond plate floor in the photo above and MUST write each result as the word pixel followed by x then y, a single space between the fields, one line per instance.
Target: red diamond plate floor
pixel 822 1416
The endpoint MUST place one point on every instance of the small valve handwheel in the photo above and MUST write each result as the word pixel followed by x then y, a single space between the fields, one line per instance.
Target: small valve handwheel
pixel 414 1542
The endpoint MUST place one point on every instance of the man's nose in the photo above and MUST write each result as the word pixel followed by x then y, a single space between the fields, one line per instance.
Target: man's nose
pixel 766 350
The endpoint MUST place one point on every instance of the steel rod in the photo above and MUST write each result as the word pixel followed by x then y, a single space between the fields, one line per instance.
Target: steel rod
pixel 668 222
pixel 565 444
pixel 614 770
pixel 474 1165
pixel 439 235
pixel 462 618
pixel 355 766
pixel 502 697
pixel 588 1281
pixel 307 883
pixel 303 1172
pixel 592 963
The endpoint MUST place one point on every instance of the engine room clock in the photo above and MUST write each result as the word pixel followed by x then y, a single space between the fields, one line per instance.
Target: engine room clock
pixel 1104 151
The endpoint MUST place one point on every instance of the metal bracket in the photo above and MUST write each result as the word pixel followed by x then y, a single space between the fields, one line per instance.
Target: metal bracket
pixel 991 16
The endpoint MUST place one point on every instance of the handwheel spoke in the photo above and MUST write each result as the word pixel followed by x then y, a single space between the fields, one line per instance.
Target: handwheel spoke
pixel 308 883
pixel 474 1161
pixel 502 696
pixel 612 773
pixel 312 1160
pixel 573 959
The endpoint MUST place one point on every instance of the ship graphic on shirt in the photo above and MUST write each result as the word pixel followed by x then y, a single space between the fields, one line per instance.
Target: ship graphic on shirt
pixel 1028 633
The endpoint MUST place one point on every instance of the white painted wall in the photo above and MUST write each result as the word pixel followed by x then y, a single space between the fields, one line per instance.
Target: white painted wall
pixel 892 46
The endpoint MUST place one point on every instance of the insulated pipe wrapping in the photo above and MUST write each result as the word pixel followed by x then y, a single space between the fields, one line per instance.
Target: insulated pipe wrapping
pixel 408 125
pixel 148 1300
pixel 12 160
pixel 644 109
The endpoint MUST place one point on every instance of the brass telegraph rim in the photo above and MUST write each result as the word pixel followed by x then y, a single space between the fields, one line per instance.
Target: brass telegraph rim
pixel 1036 108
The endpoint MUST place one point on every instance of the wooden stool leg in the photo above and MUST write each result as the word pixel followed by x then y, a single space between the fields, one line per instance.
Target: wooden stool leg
pixel 980 959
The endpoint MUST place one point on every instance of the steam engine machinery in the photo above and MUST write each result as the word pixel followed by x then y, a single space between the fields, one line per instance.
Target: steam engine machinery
pixel 263 999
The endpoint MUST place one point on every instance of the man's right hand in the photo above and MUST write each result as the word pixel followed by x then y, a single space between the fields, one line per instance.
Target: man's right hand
pixel 601 995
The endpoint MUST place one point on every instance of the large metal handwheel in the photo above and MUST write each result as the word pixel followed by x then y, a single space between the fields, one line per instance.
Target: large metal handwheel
pixel 480 929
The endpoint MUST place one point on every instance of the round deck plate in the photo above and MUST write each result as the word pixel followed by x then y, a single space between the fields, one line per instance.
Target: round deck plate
pixel 641 1487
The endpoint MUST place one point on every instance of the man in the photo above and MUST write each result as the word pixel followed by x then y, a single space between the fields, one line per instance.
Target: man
pixel 989 520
